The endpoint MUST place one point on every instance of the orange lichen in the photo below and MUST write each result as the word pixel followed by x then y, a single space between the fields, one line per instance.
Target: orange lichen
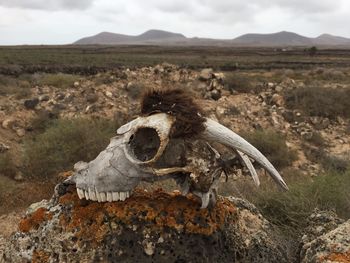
pixel 34 219
pixel 40 256
pixel 337 257
pixel 159 208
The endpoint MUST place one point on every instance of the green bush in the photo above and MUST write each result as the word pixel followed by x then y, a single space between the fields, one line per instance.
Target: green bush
pixel 64 143
pixel 273 146
pixel 316 101
pixel 59 80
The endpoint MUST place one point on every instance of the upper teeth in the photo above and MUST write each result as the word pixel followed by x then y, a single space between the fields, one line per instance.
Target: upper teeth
pixel 92 194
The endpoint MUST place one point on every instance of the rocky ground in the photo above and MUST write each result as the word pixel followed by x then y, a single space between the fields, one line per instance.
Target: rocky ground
pixel 115 95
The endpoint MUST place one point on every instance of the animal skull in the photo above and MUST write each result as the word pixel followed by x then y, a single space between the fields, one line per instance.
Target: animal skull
pixel 143 150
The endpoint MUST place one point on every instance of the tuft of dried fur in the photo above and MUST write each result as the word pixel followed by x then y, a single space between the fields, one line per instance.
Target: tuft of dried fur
pixel 178 103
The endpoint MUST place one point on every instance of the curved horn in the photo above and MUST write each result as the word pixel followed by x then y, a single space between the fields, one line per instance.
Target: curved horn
pixel 218 133
pixel 246 161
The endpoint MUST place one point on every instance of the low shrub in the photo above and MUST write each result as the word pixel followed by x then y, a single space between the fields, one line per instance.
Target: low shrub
pixel 64 143
pixel 329 191
pixel 14 86
pixel 291 209
pixel 335 163
pixel 59 80
pixel 273 146
pixel 317 139
pixel 316 101
pixel 135 90
pixel 7 167
pixel 238 82
pixel 329 162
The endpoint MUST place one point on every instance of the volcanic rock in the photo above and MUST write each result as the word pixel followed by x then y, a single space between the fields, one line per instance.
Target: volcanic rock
pixel 147 227
pixel 30 104
pixel 327 239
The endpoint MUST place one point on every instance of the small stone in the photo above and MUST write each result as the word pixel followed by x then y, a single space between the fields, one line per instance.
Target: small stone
pixel 35 206
pixel 278 88
pixel 206 74
pixel 149 248
pixel 8 123
pixel 19 176
pixel 219 76
pixel 325 123
pixel 76 84
pixel 90 108
pixel 306 135
pixel 109 94
pixel 44 98
pixel 270 85
pixel 277 100
pixel 91 98
pixel 3 147
pixel 60 96
pixel 215 94
pixel 69 97
pixel 220 111
pixel 30 104
pixel 21 132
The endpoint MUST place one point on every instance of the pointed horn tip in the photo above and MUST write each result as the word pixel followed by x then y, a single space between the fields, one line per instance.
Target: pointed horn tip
pixel 284 185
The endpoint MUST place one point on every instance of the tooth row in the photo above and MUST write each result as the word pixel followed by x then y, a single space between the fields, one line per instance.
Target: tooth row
pixel 91 194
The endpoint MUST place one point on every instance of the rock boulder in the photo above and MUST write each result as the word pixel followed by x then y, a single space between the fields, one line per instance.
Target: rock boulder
pixel 147 227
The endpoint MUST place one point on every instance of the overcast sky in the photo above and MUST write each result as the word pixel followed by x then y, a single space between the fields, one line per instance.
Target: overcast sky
pixel 65 21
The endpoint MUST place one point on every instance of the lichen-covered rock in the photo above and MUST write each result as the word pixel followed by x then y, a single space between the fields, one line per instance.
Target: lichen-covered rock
pixel 147 227
pixel 327 239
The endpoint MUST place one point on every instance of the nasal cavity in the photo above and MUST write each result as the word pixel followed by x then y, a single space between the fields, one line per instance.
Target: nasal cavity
pixel 144 144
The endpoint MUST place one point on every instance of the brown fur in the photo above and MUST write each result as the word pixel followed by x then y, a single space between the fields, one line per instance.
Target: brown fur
pixel 178 103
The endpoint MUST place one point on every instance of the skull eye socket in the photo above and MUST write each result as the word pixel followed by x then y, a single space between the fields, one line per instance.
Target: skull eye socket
pixel 144 144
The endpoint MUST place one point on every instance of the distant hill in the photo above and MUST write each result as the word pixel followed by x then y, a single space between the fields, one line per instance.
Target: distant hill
pixel 149 37
pixel 160 37
pixel 328 40
pixel 276 39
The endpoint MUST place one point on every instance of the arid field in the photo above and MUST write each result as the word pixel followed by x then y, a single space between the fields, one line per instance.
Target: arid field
pixel 62 104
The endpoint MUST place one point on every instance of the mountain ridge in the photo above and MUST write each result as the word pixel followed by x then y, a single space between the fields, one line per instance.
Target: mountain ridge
pixel 161 37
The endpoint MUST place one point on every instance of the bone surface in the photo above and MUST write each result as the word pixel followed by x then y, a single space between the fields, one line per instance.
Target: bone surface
pixel 144 150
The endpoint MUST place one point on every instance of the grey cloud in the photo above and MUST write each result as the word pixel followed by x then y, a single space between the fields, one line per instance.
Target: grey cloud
pixel 47 4
pixel 241 8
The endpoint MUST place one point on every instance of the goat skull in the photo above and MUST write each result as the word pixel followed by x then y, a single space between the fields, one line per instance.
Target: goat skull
pixel 144 151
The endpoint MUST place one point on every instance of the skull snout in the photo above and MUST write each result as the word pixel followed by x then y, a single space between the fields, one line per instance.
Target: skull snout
pixel 79 166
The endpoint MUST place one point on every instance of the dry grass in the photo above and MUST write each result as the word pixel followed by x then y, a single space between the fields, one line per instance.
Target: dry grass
pixel 20 88
pixel 7 167
pixel 320 101
pixel 60 80
pixel 273 146
pixel 64 143
pixel 291 209
pixel 239 82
